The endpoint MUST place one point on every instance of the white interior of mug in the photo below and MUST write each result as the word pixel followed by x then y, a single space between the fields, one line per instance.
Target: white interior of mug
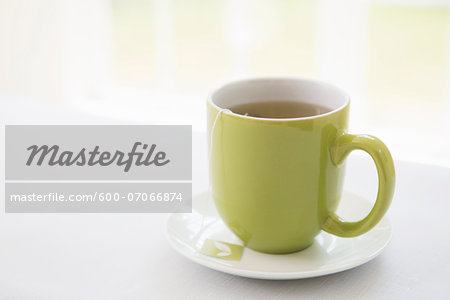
pixel 279 89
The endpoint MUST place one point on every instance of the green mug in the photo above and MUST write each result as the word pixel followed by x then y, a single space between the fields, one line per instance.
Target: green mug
pixel 276 183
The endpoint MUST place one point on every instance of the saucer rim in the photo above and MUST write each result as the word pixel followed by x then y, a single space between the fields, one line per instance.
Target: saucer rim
pixel 212 263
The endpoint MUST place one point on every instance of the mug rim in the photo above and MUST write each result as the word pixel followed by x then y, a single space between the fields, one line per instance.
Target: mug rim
pixel 278 78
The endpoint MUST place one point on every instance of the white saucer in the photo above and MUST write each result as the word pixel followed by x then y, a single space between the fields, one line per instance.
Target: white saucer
pixel 328 254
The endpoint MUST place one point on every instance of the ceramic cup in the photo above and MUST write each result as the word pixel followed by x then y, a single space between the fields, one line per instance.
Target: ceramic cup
pixel 276 183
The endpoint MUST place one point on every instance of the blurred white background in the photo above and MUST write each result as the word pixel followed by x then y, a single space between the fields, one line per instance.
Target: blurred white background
pixel 154 61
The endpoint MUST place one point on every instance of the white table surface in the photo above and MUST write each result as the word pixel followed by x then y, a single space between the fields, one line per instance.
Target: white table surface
pixel 126 256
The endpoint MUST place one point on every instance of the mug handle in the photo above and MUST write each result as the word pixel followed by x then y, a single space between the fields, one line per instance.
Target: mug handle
pixel 342 147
